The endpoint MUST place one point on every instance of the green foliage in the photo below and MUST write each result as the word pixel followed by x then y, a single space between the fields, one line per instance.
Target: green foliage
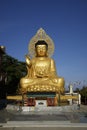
pixel 83 92
pixel 14 70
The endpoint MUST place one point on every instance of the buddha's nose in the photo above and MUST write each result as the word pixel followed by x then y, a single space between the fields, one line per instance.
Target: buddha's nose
pixel 41 50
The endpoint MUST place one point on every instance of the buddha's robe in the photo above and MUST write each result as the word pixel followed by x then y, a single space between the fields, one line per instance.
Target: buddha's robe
pixel 42 76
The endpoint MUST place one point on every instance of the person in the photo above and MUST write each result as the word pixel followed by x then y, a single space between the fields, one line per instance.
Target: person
pixel 41 72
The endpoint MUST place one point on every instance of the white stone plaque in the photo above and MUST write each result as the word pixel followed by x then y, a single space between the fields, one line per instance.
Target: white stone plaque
pixel 41 103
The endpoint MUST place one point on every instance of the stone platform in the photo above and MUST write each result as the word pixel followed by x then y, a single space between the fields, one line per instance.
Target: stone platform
pixel 57 118
pixel 55 109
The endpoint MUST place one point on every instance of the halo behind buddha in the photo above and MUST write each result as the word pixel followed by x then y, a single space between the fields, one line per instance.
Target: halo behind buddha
pixel 41 35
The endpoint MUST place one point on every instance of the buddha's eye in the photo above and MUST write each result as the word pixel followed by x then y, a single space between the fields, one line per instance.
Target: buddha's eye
pixel 41 48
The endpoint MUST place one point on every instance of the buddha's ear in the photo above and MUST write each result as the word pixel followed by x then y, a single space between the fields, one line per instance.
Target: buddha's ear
pixel 47 54
pixel 35 53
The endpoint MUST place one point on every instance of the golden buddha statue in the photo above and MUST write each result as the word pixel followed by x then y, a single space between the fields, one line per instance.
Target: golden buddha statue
pixel 41 71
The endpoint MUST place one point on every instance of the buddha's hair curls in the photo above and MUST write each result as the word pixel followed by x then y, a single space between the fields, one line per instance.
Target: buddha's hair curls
pixel 41 42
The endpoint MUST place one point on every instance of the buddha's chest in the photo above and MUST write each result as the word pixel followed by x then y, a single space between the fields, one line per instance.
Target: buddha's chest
pixel 42 63
pixel 42 66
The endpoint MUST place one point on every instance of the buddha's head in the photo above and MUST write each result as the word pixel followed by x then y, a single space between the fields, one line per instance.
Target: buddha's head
pixel 41 48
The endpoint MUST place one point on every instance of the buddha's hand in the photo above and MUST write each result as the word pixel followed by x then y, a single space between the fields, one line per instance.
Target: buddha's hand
pixel 28 60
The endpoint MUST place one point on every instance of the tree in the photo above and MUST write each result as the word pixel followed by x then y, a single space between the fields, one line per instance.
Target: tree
pixel 77 90
pixel 83 93
pixel 14 70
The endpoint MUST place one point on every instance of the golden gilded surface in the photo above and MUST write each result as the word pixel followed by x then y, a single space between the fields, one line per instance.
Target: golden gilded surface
pixel 41 72
pixel 17 97
pixel 64 97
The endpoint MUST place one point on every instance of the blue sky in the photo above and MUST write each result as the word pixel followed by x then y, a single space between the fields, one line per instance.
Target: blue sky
pixel 65 21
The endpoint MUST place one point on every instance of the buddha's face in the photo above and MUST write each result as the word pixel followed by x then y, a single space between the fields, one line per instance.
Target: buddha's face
pixel 41 50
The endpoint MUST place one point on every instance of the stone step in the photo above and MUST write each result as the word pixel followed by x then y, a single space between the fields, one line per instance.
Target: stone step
pixel 44 124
